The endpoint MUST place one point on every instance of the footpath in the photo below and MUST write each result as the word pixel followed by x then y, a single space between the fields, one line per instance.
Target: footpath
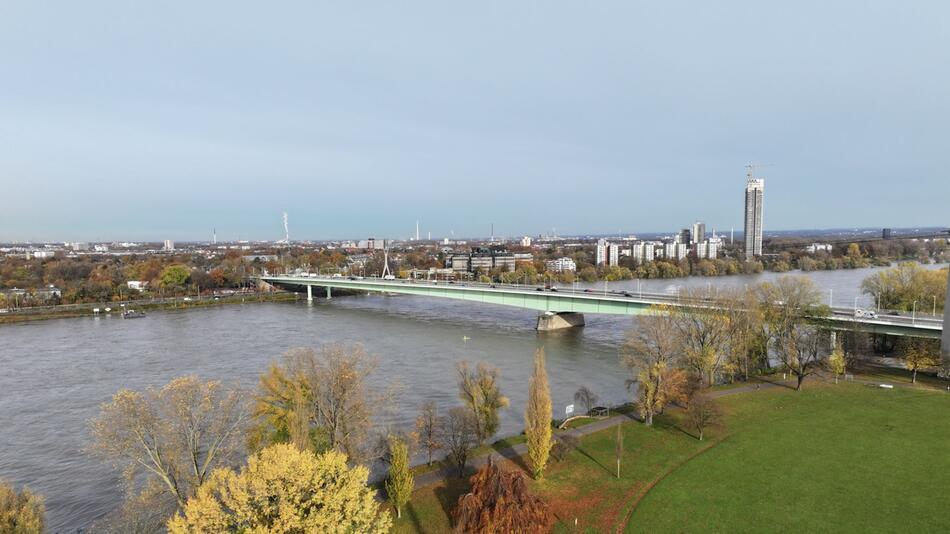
pixel 515 452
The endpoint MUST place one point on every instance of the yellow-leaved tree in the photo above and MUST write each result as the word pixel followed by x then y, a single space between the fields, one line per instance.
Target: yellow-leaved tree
pixel 837 362
pixel 21 512
pixel 537 417
pixel 283 490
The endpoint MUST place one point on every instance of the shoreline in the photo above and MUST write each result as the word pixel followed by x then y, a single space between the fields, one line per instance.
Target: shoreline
pixel 70 311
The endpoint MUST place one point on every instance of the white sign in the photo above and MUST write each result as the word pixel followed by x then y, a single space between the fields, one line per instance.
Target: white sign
pixel 569 409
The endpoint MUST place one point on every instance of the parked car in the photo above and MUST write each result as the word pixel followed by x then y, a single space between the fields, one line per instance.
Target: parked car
pixel 389 277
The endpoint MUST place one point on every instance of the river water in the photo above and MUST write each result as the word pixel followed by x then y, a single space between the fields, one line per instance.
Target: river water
pixel 54 374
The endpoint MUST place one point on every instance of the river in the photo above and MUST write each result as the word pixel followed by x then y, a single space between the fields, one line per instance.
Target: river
pixel 56 373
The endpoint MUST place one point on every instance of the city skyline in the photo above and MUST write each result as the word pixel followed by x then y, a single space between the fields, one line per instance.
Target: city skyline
pixel 556 117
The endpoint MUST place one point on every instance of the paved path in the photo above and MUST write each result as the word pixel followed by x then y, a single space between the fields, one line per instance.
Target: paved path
pixel 516 452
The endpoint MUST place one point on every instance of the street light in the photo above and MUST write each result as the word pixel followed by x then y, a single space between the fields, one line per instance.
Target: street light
pixel 856 303
pixel 914 316
pixel 935 305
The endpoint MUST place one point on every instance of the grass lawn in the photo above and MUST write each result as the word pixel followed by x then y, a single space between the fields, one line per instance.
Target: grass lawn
pixel 830 458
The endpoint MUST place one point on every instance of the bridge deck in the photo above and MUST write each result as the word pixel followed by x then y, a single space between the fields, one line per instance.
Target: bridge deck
pixel 583 300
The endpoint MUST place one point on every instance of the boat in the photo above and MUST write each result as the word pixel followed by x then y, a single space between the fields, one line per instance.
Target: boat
pixel 132 314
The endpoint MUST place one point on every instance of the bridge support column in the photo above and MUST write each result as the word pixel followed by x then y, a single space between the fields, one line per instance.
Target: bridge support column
pixel 556 321
pixel 833 340
pixel 328 293
pixel 309 293
pixel 945 338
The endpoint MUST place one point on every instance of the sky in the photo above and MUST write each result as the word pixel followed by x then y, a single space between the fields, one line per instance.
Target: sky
pixel 164 120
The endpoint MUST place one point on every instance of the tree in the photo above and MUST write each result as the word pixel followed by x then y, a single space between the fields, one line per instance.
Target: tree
pixel 174 276
pixel 499 501
pixel 801 350
pixel 537 417
pixel 285 490
pixel 745 337
pixel 177 434
pixel 703 336
pixel 651 352
pixel 478 389
pixel 427 427
pixel 900 286
pixel 586 398
pixel 457 431
pixel 618 449
pixel 400 481
pixel 837 362
pixel 21 512
pixel 321 398
pixel 702 412
pixel 918 355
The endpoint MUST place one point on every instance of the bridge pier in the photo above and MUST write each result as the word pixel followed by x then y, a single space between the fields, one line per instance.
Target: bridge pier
pixel 328 293
pixel 557 320
pixel 309 293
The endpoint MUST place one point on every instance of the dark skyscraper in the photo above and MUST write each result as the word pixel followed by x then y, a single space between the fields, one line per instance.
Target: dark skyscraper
pixel 754 197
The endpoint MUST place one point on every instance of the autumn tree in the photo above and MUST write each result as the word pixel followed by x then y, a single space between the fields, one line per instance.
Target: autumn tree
pixel 427 428
pixel 285 490
pixel 787 303
pixel 702 330
pixel 746 340
pixel 586 398
pixel 918 354
pixel 400 481
pixel 479 390
pixel 837 363
pixel 651 353
pixel 176 434
pixel 900 286
pixel 458 434
pixel 21 512
pixel 174 276
pixel 319 399
pixel 537 417
pixel 499 501
pixel 701 413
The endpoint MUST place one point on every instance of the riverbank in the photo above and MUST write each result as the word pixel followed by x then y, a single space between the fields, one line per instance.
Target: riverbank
pixel 86 310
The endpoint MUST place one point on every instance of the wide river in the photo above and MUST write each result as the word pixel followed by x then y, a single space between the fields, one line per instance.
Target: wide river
pixel 54 374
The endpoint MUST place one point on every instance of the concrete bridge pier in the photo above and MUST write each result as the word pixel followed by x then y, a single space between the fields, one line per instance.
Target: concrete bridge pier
pixel 557 320
pixel 328 293
pixel 309 293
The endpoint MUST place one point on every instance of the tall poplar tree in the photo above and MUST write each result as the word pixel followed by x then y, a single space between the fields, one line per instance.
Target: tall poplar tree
pixel 537 417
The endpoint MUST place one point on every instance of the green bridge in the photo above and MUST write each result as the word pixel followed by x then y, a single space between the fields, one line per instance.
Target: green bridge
pixel 563 308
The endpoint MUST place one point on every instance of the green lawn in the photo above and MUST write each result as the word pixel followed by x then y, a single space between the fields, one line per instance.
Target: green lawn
pixel 834 458
pixel 829 458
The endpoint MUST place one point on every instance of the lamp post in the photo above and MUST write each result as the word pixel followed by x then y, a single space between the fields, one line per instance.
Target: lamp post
pixel 914 316
pixel 856 303
pixel 935 306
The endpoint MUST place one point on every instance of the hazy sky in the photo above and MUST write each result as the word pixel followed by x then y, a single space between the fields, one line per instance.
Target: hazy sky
pixel 153 120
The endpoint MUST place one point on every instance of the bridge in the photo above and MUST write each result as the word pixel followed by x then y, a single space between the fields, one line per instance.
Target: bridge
pixel 565 307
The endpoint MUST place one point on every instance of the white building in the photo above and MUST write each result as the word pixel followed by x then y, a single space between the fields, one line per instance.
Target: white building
pixel 607 253
pixel 644 251
pixel 818 247
pixel 169 245
pixel 561 265
pixel 139 285
pixel 526 241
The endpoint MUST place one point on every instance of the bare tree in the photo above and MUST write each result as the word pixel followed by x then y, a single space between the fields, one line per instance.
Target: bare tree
pixel 478 389
pixel 177 434
pixel 802 350
pixel 458 435
pixel 702 413
pixel 586 398
pixel 427 428
pixel 786 303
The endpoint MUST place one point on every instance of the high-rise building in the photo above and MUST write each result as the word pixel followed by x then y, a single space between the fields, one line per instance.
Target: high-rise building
pixel 607 253
pixel 754 197
pixel 685 236
pixel 699 232
pixel 169 245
